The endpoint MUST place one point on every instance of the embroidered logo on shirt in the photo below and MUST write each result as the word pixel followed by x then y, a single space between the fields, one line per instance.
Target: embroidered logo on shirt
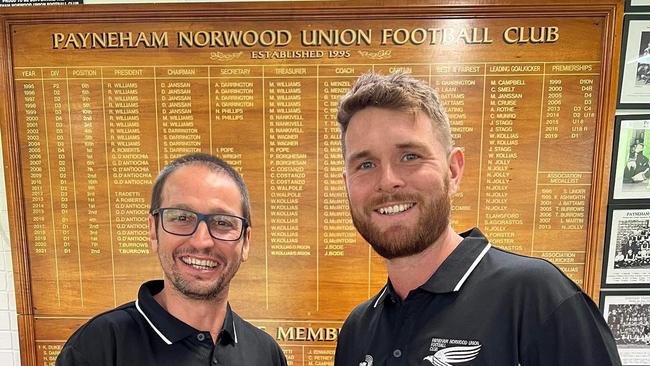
pixel 450 352
pixel 367 362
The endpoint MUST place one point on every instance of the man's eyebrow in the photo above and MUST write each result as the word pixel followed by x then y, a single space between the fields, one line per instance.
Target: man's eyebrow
pixel 360 155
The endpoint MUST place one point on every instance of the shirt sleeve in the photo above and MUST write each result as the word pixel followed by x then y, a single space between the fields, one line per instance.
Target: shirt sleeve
pixel 574 334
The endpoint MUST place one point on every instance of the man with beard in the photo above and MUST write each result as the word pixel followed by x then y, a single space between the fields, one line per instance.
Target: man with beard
pixel 199 225
pixel 450 298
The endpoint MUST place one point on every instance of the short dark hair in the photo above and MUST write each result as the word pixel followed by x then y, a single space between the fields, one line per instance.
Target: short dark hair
pixel 211 162
pixel 397 91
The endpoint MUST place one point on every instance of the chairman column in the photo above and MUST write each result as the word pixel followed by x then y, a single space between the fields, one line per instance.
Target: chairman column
pixel 291 188
pixel 237 125
pixel 513 99
pixel 568 132
pixel 183 113
pixel 130 125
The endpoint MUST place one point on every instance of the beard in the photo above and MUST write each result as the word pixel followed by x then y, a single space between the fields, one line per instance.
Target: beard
pixel 402 241
pixel 193 288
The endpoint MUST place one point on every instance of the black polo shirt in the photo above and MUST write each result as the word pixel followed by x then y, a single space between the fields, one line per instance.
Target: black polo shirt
pixel 483 306
pixel 143 333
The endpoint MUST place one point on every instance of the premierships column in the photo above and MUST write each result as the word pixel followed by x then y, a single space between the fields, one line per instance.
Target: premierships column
pixel 291 188
pixel 568 131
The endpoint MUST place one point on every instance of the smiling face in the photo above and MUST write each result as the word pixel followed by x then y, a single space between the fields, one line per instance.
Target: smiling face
pixel 199 266
pixel 399 180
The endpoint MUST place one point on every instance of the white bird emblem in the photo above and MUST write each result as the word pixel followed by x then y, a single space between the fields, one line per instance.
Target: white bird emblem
pixel 367 362
pixel 453 355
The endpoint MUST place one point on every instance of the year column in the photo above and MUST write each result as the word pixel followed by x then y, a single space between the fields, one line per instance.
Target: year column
pixel 32 134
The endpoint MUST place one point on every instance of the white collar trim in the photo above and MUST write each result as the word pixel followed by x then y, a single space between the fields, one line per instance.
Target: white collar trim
pixel 471 268
pixel 137 306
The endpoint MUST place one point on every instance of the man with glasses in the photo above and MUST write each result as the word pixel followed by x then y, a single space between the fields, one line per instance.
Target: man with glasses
pixel 200 228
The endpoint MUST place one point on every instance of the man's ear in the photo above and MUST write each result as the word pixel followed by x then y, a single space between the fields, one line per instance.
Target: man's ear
pixel 153 234
pixel 246 245
pixel 456 168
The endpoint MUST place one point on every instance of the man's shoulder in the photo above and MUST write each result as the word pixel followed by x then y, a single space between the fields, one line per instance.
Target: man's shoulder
pixel 362 312
pixel 111 322
pixel 529 274
pixel 245 329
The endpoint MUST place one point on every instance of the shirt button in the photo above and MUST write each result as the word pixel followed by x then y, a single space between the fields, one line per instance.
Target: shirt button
pixel 215 361
pixel 200 337
pixel 397 353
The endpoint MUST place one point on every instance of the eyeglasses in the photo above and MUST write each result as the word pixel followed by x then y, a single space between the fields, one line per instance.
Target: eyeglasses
pixel 184 222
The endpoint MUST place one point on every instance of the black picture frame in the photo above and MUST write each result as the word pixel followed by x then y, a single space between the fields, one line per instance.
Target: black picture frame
pixel 644 7
pixel 626 259
pixel 630 169
pixel 634 73
pixel 627 314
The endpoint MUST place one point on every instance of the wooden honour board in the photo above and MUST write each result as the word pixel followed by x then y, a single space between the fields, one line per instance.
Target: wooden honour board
pixel 97 99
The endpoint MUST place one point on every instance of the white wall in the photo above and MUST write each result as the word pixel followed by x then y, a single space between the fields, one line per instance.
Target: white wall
pixel 9 347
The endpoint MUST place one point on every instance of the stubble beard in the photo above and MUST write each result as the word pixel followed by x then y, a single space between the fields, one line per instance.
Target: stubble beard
pixel 401 241
pixel 188 286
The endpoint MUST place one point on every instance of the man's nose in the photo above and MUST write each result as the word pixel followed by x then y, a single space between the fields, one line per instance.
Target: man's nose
pixel 389 180
pixel 201 237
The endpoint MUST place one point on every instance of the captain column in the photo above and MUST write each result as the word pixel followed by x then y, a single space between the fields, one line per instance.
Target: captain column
pixel 568 132
pixel 130 125
pixel 513 94
pixel 291 188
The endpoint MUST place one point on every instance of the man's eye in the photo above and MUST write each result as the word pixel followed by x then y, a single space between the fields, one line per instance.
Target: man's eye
pixel 366 165
pixel 409 157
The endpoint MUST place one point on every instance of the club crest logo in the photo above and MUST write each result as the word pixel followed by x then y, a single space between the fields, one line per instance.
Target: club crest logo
pixel 450 352
pixel 367 362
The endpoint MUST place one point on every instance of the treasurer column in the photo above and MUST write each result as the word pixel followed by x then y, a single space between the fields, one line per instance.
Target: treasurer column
pixel 291 188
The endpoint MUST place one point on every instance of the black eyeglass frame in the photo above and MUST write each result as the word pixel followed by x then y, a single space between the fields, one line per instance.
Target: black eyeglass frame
pixel 200 218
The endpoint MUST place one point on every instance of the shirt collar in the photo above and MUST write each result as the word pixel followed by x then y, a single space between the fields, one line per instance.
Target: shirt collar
pixel 454 271
pixel 169 328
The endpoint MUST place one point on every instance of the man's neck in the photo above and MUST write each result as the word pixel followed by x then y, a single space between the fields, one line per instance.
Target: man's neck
pixel 204 315
pixel 409 273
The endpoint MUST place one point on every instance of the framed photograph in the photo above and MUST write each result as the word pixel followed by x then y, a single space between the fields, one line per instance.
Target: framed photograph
pixel 634 84
pixel 628 316
pixel 630 175
pixel 637 6
pixel 627 248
